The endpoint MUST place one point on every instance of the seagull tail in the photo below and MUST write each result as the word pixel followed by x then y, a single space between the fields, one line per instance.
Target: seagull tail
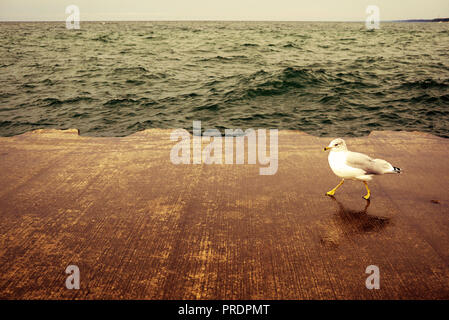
pixel 397 170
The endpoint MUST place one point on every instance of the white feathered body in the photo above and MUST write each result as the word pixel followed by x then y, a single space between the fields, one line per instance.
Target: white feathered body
pixel 357 166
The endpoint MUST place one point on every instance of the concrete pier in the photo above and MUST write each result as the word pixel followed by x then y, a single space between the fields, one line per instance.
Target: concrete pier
pixel 140 227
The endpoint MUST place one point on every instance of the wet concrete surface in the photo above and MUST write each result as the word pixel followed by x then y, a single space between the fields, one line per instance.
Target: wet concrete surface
pixel 140 227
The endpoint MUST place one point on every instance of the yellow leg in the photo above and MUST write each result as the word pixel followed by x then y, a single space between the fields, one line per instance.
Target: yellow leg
pixel 332 192
pixel 367 189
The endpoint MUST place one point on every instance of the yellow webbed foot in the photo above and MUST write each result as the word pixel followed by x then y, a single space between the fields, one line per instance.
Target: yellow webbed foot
pixel 368 194
pixel 332 192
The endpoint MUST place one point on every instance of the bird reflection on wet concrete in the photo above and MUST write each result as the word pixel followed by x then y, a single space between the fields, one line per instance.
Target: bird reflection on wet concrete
pixel 348 223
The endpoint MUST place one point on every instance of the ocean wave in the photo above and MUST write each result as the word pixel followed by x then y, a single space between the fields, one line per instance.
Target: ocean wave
pixel 291 79
pixel 56 102
pixel 135 82
pixel 120 102
pixel 128 70
pixel 224 59
pixel 426 84
pixel 106 38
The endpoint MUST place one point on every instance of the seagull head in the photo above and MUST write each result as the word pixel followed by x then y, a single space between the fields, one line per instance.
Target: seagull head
pixel 337 145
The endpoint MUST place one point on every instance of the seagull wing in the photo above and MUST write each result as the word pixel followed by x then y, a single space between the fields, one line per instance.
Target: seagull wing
pixel 367 164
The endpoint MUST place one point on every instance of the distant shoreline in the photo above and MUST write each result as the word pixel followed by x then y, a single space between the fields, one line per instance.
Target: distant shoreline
pixel 424 20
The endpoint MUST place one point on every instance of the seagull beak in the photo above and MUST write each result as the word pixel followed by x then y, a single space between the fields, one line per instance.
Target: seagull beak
pixel 326 148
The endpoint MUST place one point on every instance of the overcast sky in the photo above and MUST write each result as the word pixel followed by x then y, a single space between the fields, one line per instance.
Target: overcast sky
pixel 294 10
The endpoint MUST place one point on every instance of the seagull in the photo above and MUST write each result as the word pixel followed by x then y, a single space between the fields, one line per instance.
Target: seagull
pixel 356 166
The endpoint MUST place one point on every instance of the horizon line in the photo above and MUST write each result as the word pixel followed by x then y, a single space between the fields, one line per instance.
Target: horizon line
pixel 228 20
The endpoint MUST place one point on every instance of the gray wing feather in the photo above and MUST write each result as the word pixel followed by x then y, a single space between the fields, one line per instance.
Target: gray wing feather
pixel 366 163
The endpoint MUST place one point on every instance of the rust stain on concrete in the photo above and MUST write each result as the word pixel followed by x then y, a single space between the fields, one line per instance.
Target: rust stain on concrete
pixel 140 227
